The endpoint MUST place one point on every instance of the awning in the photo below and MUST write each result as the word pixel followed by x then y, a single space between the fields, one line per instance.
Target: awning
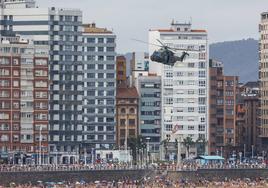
pixel 209 157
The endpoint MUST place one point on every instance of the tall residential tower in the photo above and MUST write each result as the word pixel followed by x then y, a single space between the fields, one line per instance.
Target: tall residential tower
pixel 99 88
pixel 184 88
pixel 263 76
pixel 61 30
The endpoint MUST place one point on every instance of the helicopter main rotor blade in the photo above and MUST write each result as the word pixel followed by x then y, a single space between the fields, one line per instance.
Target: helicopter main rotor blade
pixel 146 42
pixel 162 43
pixel 172 48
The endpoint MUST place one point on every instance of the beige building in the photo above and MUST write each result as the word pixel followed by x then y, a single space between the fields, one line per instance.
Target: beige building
pixel 263 76
pixel 127 110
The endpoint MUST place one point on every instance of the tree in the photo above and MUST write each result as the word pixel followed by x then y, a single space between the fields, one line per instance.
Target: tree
pixel 135 144
pixel 201 146
pixel 188 142
pixel 165 144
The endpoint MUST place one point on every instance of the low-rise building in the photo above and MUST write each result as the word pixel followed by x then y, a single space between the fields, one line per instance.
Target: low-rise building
pixel 127 108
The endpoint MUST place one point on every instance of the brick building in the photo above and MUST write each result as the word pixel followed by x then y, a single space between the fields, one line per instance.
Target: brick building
pixel 24 101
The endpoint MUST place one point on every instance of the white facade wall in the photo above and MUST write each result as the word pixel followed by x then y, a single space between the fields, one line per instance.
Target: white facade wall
pixel 184 86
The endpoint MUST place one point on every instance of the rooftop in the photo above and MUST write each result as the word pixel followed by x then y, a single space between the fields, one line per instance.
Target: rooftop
pixel 180 27
pixel 127 92
pixel 91 28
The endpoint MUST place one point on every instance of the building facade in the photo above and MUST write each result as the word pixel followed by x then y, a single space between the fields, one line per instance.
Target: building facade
pixel 249 124
pixel 149 90
pixel 263 78
pixel 61 30
pixel 139 65
pixel 99 88
pixel 184 89
pixel 127 115
pixel 24 87
pixel 222 123
pixel 121 74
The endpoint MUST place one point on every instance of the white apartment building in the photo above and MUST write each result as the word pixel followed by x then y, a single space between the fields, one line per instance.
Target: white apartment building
pixel 184 87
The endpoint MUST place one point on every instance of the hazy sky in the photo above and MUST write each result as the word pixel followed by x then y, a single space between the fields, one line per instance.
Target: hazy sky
pixel 224 19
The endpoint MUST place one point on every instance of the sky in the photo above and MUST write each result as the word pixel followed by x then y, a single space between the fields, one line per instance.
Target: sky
pixel 224 20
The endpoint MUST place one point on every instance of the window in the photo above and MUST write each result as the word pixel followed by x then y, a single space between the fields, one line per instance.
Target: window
pixel 40 94
pixel 101 58
pixel 100 49
pixel 100 75
pixel 132 110
pixel 110 75
pixel 91 49
pixel 100 66
pixel 122 122
pixel 91 75
pixel 4 83
pixel 110 84
pixel 100 84
pixel 40 73
pixel 110 40
pixel 4 72
pixel 168 127
pixel 90 40
pixel 91 66
pixel 131 122
pixel 110 58
pixel 110 67
pixel 40 83
pixel 4 94
pixel 110 93
pixel 100 40
pixel 123 110
pixel 110 49
pixel 4 61
pixel 191 65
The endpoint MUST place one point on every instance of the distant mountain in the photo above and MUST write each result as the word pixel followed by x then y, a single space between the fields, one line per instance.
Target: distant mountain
pixel 240 58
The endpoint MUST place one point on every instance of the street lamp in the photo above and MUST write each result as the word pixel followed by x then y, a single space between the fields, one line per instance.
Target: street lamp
pixel 40 147
pixel 148 147
pixel 252 151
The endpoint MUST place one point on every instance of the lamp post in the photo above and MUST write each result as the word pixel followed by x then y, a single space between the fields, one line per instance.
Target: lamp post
pixel 148 147
pixel 56 157
pixel 252 151
pixel 244 150
pixel 40 145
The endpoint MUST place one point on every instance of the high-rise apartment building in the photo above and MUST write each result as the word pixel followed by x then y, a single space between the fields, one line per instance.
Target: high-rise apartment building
pixel 222 122
pixel 24 101
pixel 263 77
pixel 99 88
pixel 61 30
pixel 184 87
pixel 149 89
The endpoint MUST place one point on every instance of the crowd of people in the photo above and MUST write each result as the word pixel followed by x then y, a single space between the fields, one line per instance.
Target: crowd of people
pixel 155 182
pixel 192 166
pixel 69 167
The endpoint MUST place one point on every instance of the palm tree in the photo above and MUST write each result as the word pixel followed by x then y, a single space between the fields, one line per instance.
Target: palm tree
pixel 165 144
pixel 135 144
pixel 188 142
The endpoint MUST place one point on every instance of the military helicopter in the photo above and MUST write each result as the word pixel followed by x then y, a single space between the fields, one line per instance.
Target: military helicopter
pixel 165 54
